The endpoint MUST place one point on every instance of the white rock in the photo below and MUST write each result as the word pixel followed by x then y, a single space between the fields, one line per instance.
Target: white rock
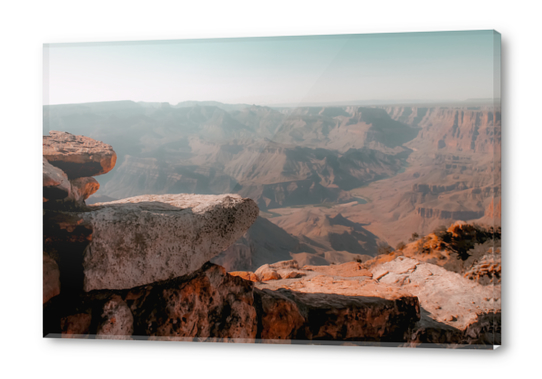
pixel 150 238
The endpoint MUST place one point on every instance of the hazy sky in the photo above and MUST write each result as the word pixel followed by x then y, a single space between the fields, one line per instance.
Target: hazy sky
pixel 413 66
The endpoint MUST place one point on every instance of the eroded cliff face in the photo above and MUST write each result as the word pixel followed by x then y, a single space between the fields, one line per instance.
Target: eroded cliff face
pixel 453 129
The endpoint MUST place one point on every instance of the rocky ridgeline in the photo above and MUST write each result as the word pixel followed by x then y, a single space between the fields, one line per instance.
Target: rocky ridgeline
pixel 138 268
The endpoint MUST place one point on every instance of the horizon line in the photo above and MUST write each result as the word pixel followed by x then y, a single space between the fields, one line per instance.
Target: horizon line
pixel 374 102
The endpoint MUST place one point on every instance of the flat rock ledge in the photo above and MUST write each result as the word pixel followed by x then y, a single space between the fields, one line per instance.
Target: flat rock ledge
pixel 150 238
pixel 78 156
pixel 452 310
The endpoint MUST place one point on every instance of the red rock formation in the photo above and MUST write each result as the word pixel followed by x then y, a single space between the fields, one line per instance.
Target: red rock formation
pixel 455 312
pixel 280 316
pixel 208 304
pixel 279 270
pixel 78 156
pixel 247 275
pixel 212 305
pixel 82 188
pixel 55 182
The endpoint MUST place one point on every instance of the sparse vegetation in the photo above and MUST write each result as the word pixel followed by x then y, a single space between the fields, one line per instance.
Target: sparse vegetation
pixel 384 248
pixel 400 246
pixel 442 233
pixel 422 248
pixel 461 239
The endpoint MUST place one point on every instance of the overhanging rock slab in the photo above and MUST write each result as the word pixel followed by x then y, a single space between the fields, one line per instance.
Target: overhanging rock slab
pixel 150 238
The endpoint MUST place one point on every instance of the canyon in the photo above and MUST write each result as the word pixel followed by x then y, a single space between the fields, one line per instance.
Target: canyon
pixel 245 223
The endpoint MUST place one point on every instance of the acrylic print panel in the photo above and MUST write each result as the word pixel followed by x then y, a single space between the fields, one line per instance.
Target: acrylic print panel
pixel 338 189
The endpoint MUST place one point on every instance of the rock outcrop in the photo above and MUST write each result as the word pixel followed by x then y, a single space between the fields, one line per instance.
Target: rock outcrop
pixel 279 270
pixel 78 156
pixel 137 267
pixel 451 310
pixel 211 305
pixel 206 305
pixel 55 182
pixel 145 239
pixel 82 188
pixel 280 318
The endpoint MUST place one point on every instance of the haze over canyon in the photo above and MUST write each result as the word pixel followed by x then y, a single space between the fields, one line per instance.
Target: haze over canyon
pixel 332 183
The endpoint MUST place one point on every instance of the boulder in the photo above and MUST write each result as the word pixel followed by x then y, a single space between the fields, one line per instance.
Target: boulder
pixel 455 309
pixel 279 270
pixel 447 297
pixel 82 188
pixel 247 275
pixel 117 320
pixel 150 238
pixel 208 304
pixel 431 305
pixel 265 273
pixel 78 156
pixel 55 182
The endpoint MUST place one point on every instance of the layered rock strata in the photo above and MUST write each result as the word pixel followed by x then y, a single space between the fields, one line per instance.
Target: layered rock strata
pixel 69 164
pixel 78 156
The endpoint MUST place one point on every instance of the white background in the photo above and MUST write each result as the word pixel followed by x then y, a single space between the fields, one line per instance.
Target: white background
pixel 25 26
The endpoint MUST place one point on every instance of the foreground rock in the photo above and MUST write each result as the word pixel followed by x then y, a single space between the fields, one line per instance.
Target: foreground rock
pixel 446 296
pixel 207 305
pixel 78 156
pixel 82 188
pixel 279 270
pixel 211 305
pixel 333 317
pixel 453 310
pixel 55 182
pixel 150 238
